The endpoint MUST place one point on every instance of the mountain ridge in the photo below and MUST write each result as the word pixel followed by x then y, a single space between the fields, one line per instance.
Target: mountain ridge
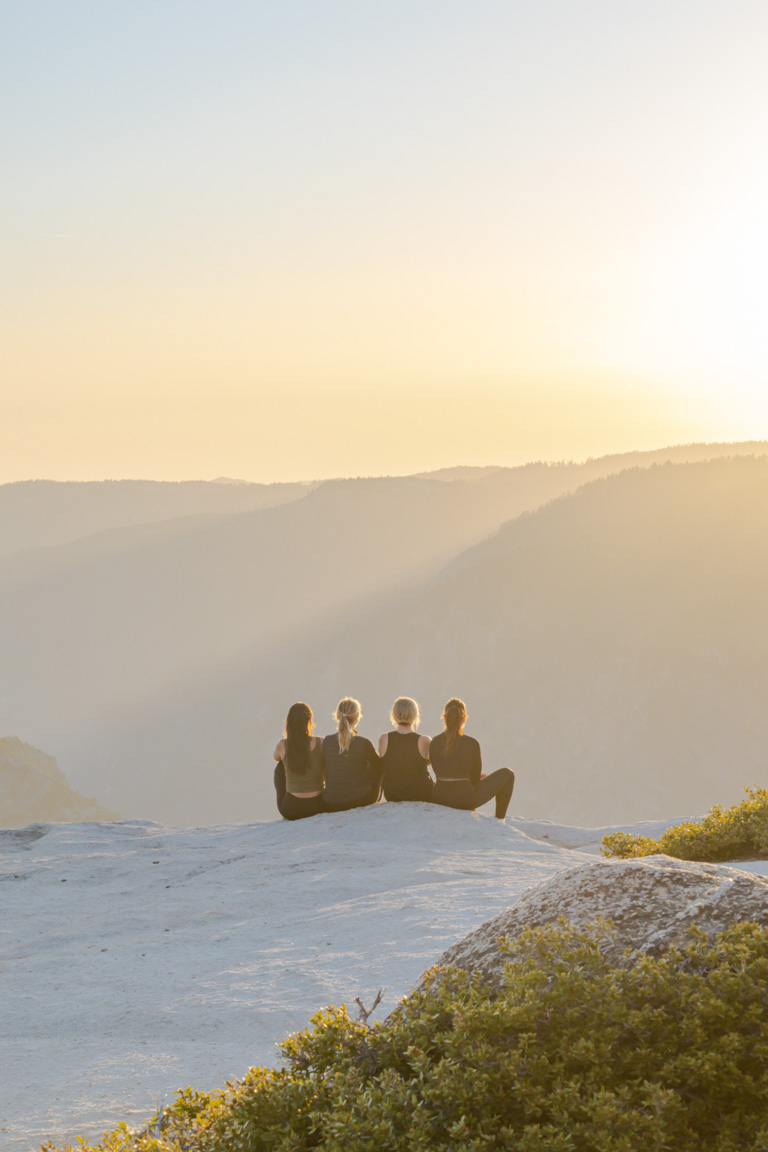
pixel 596 642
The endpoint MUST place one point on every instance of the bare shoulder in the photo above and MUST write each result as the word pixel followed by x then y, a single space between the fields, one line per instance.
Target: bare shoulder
pixel 383 741
pixel 424 743
pixel 280 750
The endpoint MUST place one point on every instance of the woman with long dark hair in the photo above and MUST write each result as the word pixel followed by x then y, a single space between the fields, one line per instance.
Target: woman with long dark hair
pixel 352 765
pixel 458 767
pixel 405 755
pixel 300 771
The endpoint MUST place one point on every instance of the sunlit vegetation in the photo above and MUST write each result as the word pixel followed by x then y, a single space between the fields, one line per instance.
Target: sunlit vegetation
pixel 736 833
pixel 574 1054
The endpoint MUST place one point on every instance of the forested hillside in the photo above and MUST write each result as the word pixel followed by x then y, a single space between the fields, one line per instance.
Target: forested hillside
pixel 611 647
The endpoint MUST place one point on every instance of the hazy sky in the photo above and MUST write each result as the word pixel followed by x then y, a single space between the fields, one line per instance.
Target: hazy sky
pixel 287 240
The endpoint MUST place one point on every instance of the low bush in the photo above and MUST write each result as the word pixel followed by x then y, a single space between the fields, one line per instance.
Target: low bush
pixel 574 1054
pixel 740 832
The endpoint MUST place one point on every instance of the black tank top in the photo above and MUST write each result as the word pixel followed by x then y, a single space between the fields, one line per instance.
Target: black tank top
pixel 405 769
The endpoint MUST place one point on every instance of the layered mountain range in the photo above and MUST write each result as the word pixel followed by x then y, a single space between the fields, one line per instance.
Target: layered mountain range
pixel 605 623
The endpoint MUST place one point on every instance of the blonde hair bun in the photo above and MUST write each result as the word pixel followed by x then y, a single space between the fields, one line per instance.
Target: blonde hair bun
pixel 405 711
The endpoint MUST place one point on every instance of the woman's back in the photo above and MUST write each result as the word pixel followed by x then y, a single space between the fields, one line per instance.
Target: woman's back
pixel 406 776
pixel 311 779
pixel 298 774
pixel 463 762
pixel 348 775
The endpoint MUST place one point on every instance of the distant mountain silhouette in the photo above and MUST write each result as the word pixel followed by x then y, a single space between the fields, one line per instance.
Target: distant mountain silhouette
pixel 108 622
pixel 612 647
pixel 104 623
pixel 33 790
pixel 45 513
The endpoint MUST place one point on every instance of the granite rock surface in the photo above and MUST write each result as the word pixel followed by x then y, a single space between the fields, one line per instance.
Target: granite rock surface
pixel 651 902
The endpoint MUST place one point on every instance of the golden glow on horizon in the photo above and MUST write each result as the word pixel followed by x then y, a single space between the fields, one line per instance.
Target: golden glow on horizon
pixel 372 374
pixel 294 433
pixel 312 378
pixel 559 256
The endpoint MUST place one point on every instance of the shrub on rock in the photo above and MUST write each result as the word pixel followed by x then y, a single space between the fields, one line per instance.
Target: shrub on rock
pixel 739 832
pixel 573 1053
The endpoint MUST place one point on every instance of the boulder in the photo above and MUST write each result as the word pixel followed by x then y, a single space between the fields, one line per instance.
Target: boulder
pixel 652 902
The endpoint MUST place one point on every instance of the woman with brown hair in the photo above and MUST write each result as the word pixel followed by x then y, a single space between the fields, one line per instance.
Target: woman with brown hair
pixel 405 755
pixel 300 772
pixel 352 765
pixel 458 768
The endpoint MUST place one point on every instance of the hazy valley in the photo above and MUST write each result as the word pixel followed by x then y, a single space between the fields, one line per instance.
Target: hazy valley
pixel 605 623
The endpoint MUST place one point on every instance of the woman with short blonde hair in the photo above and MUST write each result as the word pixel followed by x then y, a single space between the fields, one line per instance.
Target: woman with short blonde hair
pixel 405 711
pixel 352 766
pixel 405 755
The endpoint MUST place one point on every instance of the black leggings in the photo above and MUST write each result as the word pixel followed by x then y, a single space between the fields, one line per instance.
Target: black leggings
pixel 293 807
pixel 466 795
pixel 413 790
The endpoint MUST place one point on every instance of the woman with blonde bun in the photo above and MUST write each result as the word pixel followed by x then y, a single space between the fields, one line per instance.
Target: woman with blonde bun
pixel 352 766
pixel 300 771
pixel 405 755
pixel 458 767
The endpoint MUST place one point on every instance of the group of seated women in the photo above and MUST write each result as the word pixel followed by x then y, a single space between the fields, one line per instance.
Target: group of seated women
pixel 345 771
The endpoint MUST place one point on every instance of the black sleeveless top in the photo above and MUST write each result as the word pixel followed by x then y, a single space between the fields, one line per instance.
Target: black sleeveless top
pixel 405 769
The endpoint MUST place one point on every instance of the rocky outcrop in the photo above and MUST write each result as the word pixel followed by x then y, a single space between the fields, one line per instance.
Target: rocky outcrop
pixel 652 902
pixel 33 789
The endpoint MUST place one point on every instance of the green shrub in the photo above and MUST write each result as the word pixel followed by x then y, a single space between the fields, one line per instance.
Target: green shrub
pixel 740 832
pixel 575 1054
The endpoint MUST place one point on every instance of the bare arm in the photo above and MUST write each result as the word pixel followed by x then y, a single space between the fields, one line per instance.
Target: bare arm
pixel 280 750
pixel 383 741
pixel 424 743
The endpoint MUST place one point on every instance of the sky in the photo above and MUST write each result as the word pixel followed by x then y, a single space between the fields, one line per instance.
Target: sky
pixel 295 240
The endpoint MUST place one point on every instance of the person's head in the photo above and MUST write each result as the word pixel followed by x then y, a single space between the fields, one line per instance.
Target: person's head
pixel 405 712
pixel 454 719
pixel 347 715
pixel 298 733
pixel 298 722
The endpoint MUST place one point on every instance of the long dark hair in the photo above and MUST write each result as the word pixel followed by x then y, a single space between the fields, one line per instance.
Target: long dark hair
pixel 454 718
pixel 298 733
